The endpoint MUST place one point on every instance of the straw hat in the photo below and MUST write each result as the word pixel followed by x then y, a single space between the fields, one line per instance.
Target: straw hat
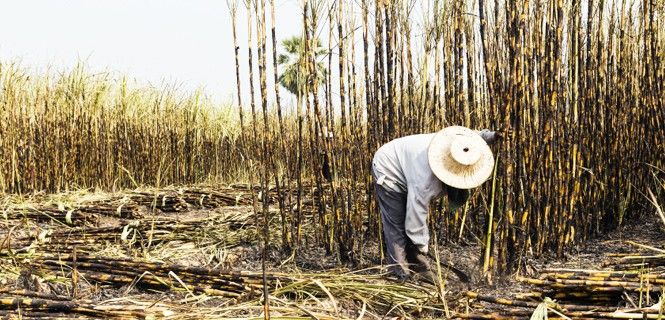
pixel 460 158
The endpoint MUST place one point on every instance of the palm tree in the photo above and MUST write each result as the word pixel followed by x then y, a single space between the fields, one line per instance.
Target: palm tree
pixel 293 60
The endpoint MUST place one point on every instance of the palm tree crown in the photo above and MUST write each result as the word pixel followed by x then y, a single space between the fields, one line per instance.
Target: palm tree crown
pixel 293 60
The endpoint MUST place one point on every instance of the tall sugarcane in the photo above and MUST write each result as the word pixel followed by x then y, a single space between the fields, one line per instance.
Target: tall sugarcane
pixel 266 159
pixel 286 205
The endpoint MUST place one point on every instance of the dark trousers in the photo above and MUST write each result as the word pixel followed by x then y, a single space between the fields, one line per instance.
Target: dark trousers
pixel 400 249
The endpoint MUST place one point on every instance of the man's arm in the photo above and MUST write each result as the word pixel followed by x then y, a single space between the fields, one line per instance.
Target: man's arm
pixel 417 209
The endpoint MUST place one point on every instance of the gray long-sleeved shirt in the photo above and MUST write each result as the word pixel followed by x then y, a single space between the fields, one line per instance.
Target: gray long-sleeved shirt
pixel 401 165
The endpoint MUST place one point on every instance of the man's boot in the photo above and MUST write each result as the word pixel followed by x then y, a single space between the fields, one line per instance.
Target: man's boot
pixel 401 274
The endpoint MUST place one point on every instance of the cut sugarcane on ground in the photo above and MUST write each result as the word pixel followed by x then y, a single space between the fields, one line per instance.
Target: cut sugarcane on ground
pixel 192 253
pixel 619 276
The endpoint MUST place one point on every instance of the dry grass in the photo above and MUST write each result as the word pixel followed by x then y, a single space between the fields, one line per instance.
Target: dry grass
pixel 192 262
pixel 80 130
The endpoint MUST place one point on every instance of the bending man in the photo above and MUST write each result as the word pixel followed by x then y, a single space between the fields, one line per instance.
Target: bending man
pixel 410 172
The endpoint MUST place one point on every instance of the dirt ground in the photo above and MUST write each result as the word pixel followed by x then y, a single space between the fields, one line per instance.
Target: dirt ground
pixel 192 253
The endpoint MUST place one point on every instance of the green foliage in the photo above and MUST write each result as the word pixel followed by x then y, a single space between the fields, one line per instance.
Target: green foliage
pixel 293 61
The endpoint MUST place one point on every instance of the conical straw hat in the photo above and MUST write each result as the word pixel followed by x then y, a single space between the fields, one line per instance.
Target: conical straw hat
pixel 460 158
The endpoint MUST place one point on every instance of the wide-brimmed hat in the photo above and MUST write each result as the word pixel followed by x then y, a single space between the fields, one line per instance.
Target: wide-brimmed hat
pixel 460 158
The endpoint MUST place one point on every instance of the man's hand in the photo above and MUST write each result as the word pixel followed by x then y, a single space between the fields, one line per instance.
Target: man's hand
pixel 490 137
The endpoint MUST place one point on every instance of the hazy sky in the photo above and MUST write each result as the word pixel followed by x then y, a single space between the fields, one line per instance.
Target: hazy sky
pixel 183 41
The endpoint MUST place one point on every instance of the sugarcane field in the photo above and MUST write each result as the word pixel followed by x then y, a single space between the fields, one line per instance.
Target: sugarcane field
pixel 332 159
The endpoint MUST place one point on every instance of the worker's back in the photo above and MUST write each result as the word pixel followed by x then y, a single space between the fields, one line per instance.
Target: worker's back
pixel 403 163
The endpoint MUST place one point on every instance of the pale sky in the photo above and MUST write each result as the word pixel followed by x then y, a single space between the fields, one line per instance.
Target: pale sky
pixel 188 42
